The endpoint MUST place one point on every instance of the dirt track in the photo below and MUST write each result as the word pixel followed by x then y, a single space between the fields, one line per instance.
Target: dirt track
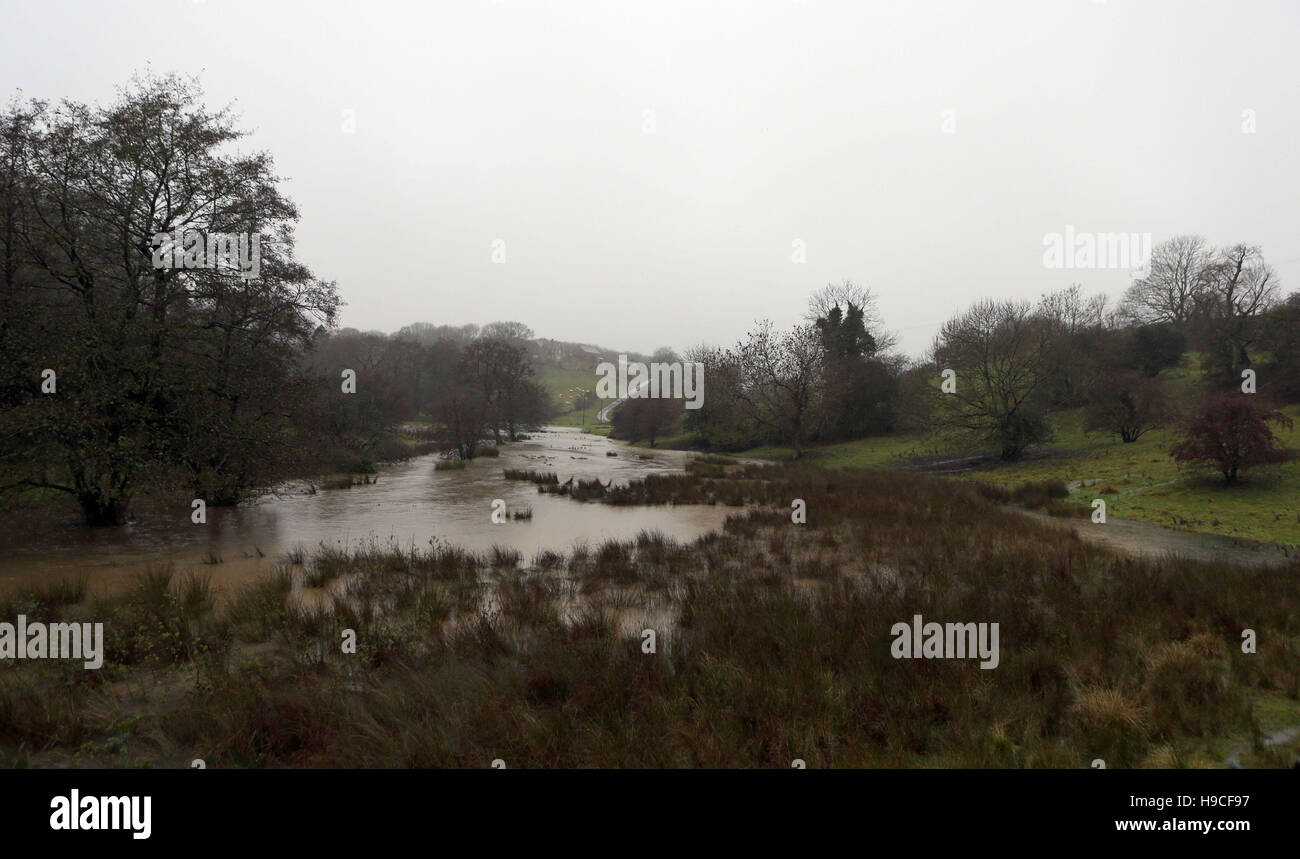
pixel 1148 540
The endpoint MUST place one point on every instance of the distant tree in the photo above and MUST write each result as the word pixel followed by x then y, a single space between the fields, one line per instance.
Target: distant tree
pixel 860 388
pixel 767 389
pixel 427 333
pixel 515 332
pixel 1230 432
pixel 1176 277
pixel 526 405
pixel 463 418
pixel 664 355
pixel 918 408
pixel 382 396
pixel 845 295
pixel 1000 352
pixel 1128 404
pixel 861 398
pixel 780 381
pixel 1069 311
pixel 645 418
pixel 844 333
pixel 720 421
pixel 499 369
pixel 1241 288
pixel 1076 354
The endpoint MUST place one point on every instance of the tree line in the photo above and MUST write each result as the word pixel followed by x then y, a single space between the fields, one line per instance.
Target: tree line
pixel 998 370
pixel 117 374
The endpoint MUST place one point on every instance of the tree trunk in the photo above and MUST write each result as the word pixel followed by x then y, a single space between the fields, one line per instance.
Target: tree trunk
pixel 99 510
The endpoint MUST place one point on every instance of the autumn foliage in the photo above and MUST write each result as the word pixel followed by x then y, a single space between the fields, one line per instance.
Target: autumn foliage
pixel 1230 432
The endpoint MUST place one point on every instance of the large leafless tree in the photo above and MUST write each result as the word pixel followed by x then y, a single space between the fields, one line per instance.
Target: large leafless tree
pixel 1177 275
pixel 1000 353
pixel 1240 288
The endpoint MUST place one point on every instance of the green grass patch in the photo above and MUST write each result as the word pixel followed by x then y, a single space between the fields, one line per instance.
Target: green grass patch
pixel 1138 480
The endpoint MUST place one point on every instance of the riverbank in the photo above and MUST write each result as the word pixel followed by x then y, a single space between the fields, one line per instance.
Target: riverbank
pixel 771 642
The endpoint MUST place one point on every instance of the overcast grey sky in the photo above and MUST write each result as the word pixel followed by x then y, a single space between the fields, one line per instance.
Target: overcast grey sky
pixel 650 165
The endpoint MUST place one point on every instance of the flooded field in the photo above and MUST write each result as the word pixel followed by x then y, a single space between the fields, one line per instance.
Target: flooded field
pixel 408 505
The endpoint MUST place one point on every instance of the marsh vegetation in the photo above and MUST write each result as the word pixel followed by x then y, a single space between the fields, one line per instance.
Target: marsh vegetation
pixel 772 643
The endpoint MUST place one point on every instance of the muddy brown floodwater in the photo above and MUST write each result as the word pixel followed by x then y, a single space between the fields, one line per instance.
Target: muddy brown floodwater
pixel 410 503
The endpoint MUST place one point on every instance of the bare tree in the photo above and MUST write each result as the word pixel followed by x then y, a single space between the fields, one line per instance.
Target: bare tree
pixel 1240 287
pixel 1177 275
pixel 1000 352
pixel 1071 312
pixel 645 418
pixel 846 293
pixel 1128 404
pixel 1076 324
pixel 464 416
pixel 515 332
pixel 499 369
pixel 719 420
pixel 780 380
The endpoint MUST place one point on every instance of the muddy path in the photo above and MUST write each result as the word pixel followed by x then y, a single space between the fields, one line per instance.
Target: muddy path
pixel 1145 539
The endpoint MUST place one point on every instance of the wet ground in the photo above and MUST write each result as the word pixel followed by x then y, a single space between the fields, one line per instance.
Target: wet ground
pixel 1148 540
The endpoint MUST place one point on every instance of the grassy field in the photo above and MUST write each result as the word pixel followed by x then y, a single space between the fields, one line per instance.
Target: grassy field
pixel 1141 481
pixel 1137 480
pixel 772 642
pixel 563 385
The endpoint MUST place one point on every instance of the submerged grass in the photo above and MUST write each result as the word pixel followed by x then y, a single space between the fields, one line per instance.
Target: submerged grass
pixel 539 477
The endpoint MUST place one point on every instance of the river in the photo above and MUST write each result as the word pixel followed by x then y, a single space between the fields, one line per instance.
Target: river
pixel 410 503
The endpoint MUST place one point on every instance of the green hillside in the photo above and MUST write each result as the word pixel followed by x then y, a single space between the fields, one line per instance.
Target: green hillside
pixel 563 385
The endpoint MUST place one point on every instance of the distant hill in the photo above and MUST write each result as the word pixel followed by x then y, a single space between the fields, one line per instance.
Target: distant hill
pixel 574 356
pixel 563 368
